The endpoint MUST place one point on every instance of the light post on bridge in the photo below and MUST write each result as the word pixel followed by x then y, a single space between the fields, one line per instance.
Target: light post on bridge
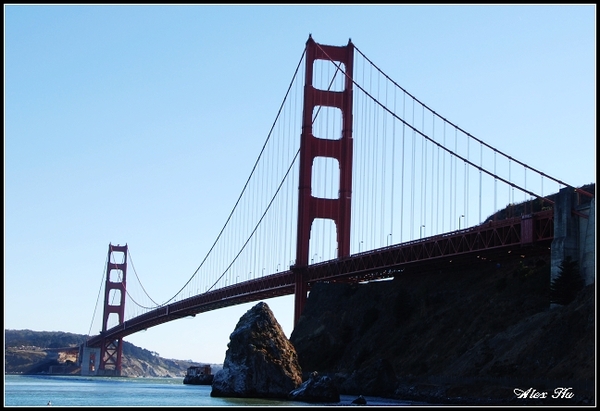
pixel 360 246
pixel 459 218
pixel 389 239
pixel 421 230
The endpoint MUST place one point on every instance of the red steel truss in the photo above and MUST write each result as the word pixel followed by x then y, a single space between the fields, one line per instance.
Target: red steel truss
pixel 530 235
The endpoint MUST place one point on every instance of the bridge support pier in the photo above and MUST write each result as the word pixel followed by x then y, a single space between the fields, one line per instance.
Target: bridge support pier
pixel 573 235
pixel 89 361
pixel 587 243
pixel 300 292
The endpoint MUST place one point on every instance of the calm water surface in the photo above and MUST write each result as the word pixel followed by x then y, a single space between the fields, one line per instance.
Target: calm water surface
pixel 76 391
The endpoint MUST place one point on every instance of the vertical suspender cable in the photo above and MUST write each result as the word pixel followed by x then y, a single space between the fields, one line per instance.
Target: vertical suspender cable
pixel 495 185
pixel 363 150
pixel 402 173
pixel 510 189
pixel 455 174
pixel 444 176
pixel 393 171
pixel 102 280
pixel 434 200
pixel 383 173
pixel 480 176
pixel 466 195
pixel 373 164
pixel 525 183
pixel 412 184
pixel 423 169
pixel 452 191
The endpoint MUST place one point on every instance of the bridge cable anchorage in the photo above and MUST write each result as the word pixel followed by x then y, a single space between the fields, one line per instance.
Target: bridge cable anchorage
pixel 466 133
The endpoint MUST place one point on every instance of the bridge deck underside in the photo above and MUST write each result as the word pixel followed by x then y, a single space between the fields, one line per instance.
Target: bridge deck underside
pixel 530 235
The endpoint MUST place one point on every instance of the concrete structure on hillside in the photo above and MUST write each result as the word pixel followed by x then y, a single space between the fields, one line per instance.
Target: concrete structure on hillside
pixel 89 360
pixel 574 234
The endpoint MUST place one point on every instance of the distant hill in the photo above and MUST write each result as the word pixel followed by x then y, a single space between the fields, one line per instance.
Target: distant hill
pixel 35 352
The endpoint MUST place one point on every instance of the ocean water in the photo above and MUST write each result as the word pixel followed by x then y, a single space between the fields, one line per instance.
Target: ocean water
pixel 76 391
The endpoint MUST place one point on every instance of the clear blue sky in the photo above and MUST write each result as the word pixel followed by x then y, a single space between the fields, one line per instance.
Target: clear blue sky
pixel 140 125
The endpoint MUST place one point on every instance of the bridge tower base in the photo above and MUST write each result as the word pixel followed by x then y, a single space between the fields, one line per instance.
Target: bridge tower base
pixel 89 360
pixel 587 229
pixel 574 235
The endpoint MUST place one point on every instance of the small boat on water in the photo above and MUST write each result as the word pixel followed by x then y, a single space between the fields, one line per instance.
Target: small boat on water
pixel 199 375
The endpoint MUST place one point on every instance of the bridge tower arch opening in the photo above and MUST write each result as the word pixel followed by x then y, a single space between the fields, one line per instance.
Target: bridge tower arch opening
pixel 311 207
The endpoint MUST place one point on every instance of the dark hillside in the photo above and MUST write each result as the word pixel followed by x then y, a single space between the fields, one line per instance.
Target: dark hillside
pixel 471 333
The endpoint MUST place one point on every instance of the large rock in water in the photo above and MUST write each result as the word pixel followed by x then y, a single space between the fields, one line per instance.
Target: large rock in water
pixel 260 361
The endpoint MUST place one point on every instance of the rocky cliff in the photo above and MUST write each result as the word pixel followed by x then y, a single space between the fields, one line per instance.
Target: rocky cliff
pixel 470 335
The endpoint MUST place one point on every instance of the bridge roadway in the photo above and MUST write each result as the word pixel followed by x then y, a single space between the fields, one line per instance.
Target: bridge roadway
pixel 531 234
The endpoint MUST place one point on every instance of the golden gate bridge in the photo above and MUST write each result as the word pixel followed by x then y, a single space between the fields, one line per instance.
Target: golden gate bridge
pixel 357 180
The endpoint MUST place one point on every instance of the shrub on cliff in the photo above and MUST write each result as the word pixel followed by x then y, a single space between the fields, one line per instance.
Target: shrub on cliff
pixel 569 282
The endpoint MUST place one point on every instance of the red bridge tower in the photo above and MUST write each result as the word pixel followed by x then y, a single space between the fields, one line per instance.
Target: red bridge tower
pixel 310 207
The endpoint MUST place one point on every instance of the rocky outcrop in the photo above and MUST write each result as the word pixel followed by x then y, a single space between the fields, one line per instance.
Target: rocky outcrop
pixel 360 400
pixel 260 362
pixel 318 388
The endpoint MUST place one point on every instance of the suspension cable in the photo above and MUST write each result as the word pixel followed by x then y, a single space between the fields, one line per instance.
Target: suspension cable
pixel 245 185
pixel 473 137
pixel 99 294
pixel 463 158
pixel 138 278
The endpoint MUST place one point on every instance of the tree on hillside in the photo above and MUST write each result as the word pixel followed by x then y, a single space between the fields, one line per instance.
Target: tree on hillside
pixel 569 282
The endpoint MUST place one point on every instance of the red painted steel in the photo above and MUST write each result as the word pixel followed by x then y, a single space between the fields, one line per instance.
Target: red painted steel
pixel 111 349
pixel 488 242
pixel 310 207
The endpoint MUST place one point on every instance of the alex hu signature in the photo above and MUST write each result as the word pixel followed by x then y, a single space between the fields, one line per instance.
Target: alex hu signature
pixel 560 392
